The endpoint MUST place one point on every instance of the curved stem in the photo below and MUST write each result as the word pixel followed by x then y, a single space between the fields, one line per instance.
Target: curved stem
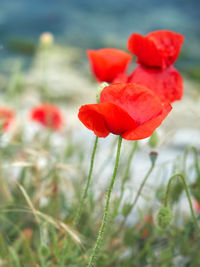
pixel 195 152
pixel 78 214
pixel 106 209
pixel 187 194
pixel 168 188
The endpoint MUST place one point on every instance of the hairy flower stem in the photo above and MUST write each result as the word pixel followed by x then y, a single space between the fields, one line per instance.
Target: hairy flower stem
pixel 78 214
pixel 125 177
pixel 187 194
pixel 104 220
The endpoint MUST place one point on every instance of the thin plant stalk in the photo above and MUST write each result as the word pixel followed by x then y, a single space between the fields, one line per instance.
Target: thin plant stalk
pixel 187 194
pixel 139 192
pixel 196 160
pixel 55 194
pixel 78 214
pixel 106 209
pixel 142 185
pixel 106 162
pixel 125 177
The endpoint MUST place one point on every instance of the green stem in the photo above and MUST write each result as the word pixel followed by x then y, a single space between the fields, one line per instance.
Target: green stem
pixel 187 194
pixel 108 159
pixel 104 220
pixel 138 193
pixel 142 185
pixel 195 152
pixel 126 174
pixel 125 177
pixel 78 214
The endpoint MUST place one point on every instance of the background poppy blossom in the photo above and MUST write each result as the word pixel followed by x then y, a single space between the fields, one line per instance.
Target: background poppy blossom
pixel 48 115
pixel 130 110
pixel 167 84
pixel 156 49
pixel 7 115
pixel 197 206
pixel 108 63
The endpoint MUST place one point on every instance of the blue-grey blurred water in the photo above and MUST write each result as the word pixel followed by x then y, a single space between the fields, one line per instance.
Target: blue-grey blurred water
pixel 97 23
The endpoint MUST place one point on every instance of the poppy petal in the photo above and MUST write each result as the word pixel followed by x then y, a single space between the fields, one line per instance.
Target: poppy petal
pixel 146 129
pixel 140 103
pixel 145 50
pixel 103 118
pixel 121 78
pixel 168 84
pixel 108 63
pixel 156 49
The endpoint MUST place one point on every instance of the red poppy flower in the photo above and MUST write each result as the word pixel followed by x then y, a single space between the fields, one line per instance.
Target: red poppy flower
pixel 156 49
pixel 197 206
pixel 168 84
pixel 6 117
pixel 145 226
pixel 126 109
pixel 108 63
pixel 48 115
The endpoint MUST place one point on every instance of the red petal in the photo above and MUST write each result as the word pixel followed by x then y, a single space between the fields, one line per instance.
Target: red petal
pixel 156 49
pixel 146 129
pixel 108 63
pixel 139 102
pixel 121 78
pixel 7 115
pixel 48 115
pixel 168 84
pixel 104 118
pixel 145 50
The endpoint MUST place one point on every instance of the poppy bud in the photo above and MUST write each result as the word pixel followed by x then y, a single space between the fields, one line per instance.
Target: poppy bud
pixel 176 191
pixel 101 86
pixel 164 217
pixel 153 156
pixel 153 141
pixel 44 250
pixel 126 209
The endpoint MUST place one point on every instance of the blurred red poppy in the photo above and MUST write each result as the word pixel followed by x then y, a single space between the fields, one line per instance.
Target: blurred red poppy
pixel 145 226
pixel 48 115
pixel 197 206
pixel 156 49
pixel 167 84
pixel 108 63
pixel 126 109
pixel 7 115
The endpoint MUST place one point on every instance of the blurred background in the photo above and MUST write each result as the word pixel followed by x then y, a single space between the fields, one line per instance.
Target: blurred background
pixel 94 24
